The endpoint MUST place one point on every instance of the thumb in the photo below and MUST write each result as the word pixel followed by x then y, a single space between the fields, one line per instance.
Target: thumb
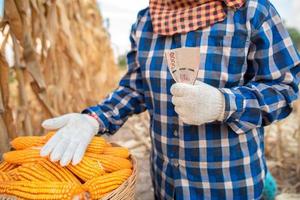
pixel 57 122
pixel 181 89
pixel 203 85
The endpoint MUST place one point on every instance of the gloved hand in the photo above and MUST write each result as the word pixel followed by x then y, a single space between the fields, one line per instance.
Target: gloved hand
pixel 75 132
pixel 198 104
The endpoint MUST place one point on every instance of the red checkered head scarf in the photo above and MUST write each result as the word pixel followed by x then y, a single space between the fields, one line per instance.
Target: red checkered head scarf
pixel 181 16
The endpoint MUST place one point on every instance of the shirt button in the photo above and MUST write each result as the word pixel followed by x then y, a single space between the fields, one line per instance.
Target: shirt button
pixel 175 133
pixel 176 163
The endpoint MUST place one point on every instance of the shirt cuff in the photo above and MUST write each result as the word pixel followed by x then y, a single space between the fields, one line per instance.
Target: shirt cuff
pixel 99 116
pixel 234 105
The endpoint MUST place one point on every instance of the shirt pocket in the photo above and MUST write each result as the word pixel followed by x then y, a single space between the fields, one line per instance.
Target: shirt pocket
pixel 223 59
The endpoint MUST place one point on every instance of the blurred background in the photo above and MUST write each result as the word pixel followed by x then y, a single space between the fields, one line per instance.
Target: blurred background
pixel 62 56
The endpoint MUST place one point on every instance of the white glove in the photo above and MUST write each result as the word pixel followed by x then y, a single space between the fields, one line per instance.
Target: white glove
pixel 198 104
pixel 75 132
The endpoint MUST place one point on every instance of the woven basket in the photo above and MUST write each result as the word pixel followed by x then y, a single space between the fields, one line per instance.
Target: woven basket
pixel 126 191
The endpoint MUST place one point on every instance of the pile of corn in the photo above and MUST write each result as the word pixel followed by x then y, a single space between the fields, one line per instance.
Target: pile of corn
pixel 26 175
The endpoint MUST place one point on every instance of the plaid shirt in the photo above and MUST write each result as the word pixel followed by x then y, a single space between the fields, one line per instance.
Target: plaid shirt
pixel 250 57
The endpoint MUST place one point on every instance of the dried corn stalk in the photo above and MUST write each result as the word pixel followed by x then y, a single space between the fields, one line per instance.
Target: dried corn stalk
pixel 62 63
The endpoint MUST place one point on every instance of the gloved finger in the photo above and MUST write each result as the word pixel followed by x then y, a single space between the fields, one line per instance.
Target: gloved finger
pixel 181 89
pixel 202 85
pixel 49 146
pixel 180 111
pixel 179 101
pixel 56 123
pixel 59 150
pixel 69 153
pixel 198 82
pixel 79 153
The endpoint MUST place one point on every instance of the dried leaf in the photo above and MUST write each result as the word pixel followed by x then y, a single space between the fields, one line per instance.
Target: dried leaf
pixel 14 19
pixel 4 101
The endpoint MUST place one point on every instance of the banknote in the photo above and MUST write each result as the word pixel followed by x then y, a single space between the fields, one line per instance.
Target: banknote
pixel 183 63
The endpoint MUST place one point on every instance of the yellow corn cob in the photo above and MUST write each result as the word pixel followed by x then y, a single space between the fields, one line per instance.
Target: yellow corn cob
pixel 61 173
pixel 22 156
pixel 42 170
pixel 110 163
pixel 117 151
pixel 20 143
pixel 4 177
pixel 25 174
pixel 97 145
pixel 5 166
pixel 33 172
pixel 42 190
pixel 25 142
pixel 87 169
pixel 14 174
pixel 99 186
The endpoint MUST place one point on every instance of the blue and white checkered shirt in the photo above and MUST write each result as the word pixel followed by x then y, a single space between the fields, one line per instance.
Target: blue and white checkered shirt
pixel 250 57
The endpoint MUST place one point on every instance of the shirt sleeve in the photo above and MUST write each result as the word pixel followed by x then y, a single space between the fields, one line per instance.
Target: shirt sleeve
pixel 126 100
pixel 273 62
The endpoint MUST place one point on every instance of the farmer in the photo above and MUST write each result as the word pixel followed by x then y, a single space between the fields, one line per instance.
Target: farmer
pixel 207 138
